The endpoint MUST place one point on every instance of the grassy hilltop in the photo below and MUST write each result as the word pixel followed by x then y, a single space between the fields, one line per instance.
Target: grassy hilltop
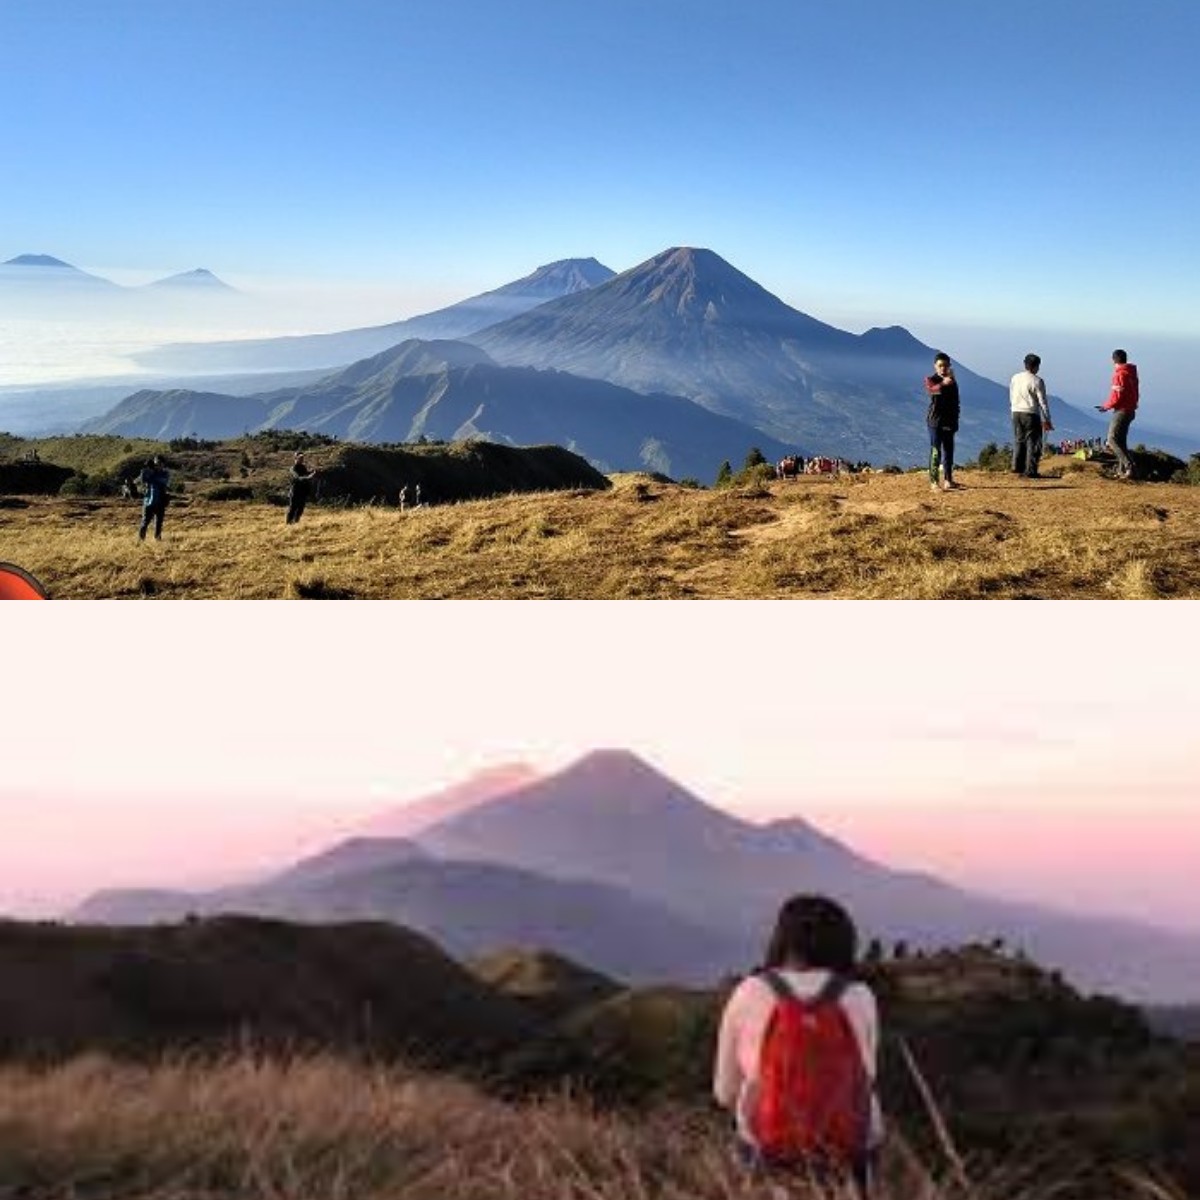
pixel 1073 535
pixel 167 1063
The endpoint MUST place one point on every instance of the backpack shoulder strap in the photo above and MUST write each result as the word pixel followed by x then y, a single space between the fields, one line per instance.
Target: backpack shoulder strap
pixel 776 982
pixel 833 990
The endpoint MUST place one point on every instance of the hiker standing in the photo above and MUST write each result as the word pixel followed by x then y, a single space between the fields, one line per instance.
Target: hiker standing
pixel 1122 402
pixel 302 476
pixel 154 481
pixel 805 1020
pixel 1030 417
pixel 942 419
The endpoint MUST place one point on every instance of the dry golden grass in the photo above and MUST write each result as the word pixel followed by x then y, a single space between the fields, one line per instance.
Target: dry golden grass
pixel 880 536
pixel 324 1129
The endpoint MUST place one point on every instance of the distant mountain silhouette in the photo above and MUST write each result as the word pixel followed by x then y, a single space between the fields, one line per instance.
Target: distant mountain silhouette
pixel 45 271
pixel 179 413
pixel 199 280
pixel 409 819
pixel 337 349
pixel 688 323
pixel 611 817
pixel 355 855
pixel 469 908
pixel 449 391
pixel 613 863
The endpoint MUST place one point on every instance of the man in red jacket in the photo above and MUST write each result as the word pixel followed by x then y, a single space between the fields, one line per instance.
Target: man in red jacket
pixel 1122 403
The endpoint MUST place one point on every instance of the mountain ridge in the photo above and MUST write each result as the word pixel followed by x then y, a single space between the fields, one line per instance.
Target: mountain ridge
pixel 689 323
pixel 453 391
pixel 658 854
pixel 340 348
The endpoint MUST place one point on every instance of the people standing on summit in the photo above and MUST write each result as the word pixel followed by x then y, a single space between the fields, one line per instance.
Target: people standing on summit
pixel 155 478
pixel 1030 417
pixel 942 419
pixel 1122 402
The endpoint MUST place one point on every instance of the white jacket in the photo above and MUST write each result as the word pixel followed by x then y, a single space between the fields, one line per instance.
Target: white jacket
pixel 744 1023
pixel 1027 394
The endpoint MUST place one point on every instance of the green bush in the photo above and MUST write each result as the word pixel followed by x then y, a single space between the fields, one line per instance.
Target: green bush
pixel 231 491
pixel 995 458
pixel 102 483
pixel 755 475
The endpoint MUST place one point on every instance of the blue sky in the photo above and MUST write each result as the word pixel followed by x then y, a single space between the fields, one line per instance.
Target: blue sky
pixel 982 173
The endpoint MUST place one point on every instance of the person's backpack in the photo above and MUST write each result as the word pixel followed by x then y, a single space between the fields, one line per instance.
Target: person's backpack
pixel 813 1102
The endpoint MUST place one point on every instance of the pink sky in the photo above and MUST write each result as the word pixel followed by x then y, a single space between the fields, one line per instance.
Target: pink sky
pixel 231 736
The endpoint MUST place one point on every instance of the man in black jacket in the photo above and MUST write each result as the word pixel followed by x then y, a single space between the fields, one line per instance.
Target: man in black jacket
pixel 942 419
pixel 302 476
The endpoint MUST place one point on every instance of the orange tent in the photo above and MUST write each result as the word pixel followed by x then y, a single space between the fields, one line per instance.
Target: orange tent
pixel 16 584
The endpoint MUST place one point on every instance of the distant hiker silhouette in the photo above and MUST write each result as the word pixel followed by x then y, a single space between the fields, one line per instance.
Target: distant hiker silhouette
pixel 154 480
pixel 796 1052
pixel 18 584
pixel 302 476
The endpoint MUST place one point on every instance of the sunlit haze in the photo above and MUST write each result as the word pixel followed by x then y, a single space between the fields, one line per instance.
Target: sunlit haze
pixel 147 748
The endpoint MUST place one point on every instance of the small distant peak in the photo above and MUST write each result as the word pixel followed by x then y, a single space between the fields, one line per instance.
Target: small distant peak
pixel 689 257
pixel 201 277
pixel 610 756
pixel 582 272
pixel 38 260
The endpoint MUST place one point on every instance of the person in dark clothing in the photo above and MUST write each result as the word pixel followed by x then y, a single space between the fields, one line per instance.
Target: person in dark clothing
pixel 154 481
pixel 942 419
pixel 302 476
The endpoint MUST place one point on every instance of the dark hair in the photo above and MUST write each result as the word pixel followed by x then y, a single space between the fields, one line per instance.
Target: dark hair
pixel 813 931
pixel 941 356
pixel 1032 362
pixel 1119 356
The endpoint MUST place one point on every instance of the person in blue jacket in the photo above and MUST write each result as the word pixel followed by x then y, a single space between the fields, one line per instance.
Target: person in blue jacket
pixel 154 479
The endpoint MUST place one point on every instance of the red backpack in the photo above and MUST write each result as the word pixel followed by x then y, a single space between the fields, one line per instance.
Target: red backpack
pixel 813 1102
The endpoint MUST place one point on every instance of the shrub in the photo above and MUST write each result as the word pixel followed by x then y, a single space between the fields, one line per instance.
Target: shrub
pixel 995 458
pixel 231 491
pixel 102 483
pixel 755 475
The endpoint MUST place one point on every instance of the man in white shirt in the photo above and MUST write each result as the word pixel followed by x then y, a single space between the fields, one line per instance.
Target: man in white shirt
pixel 1030 417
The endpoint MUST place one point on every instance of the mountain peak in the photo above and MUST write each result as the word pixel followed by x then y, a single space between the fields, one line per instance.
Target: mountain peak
pixel 562 278
pixel 698 286
pixel 485 785
pixel 201 277
pixel 38 260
